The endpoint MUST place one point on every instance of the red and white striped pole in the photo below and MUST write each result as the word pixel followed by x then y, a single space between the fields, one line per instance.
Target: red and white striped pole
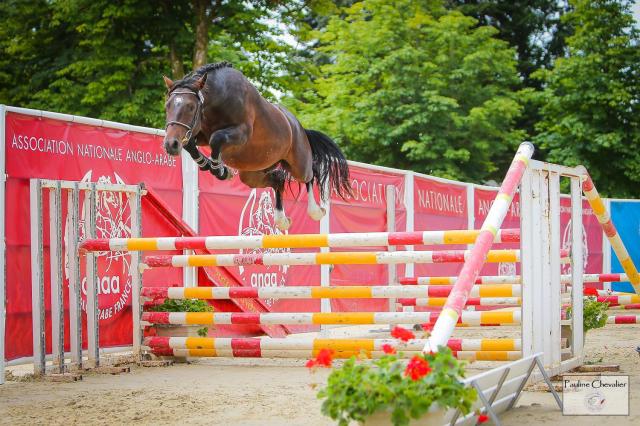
pixel 457 299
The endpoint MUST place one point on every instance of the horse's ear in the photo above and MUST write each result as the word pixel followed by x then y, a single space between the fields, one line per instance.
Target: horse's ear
pixel 200 82
pixel 167 81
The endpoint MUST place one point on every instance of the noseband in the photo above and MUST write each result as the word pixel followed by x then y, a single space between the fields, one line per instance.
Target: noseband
pixel 188 136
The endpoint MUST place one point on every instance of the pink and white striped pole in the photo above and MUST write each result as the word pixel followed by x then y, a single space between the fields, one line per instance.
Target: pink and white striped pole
pixel 457 299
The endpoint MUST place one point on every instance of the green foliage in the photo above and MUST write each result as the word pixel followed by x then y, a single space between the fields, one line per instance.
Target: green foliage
pixel 182 305
pixel 185 305
pixel 357 390
pixel 444 87
pixel 590 106
pixel 594 313
pixel 414 86
pixel 532 27
pixel 105 59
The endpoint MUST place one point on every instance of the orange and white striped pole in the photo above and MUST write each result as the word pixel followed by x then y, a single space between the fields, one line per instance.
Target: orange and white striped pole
pixel 367 239
pixel 319 318
pixel 316 292
pixel 457 299
pixel 330 258
pixel 609 229
pixel 316 344
pixel 470 356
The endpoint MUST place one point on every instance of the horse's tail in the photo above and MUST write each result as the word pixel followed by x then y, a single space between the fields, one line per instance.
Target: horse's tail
pixel 329 165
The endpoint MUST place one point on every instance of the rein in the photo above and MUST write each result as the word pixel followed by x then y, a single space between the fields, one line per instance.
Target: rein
pixel 188 136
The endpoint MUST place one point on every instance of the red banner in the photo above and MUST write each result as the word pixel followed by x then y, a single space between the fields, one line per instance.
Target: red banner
pixel 51 149
pixel 591 228
pixel 366 211
pixel 439 206
pixel 482 202
pixel 232 208
pixel 592 238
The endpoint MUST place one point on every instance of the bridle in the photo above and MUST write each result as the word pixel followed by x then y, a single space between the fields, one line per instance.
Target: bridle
pixel 200 100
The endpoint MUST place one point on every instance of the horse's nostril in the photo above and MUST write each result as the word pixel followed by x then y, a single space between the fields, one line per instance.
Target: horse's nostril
pixel 175 144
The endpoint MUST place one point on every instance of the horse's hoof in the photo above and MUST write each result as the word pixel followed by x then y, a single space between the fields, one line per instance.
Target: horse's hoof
pixel 317 213
pixel 283 223
pixel 224 174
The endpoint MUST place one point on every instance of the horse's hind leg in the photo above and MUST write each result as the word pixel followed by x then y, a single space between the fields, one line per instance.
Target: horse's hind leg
pixel 313 209
pixel 275 179
pixel 300 165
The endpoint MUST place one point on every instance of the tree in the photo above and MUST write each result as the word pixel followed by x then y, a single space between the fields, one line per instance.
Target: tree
pixel 591 101
pixel 533 27
pixel 415 86
pixel 105 59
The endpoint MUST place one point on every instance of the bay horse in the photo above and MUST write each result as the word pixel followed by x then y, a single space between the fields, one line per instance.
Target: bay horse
pixel 216 105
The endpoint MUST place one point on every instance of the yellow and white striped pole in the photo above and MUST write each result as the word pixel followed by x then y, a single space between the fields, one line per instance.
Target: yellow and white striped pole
pixel 609 229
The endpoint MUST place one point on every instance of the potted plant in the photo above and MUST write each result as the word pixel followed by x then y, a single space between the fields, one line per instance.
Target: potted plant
pixel 594 313
pixel 181 305
pixel 391 390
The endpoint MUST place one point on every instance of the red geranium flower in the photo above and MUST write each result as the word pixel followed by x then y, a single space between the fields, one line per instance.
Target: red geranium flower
pixel 482 418
pixel 324 357
pixel 589 291
pixel 417 368
pixel 402 334
pixel 311 363
pixel 388 349
pixel 428 326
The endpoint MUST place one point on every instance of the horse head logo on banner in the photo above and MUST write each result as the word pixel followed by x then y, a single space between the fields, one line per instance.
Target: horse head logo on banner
pixel 113 220
pixel 257 218
pixel 566 245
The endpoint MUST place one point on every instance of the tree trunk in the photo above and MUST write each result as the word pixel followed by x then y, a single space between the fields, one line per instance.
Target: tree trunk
pixel 202 33
pixel 177 69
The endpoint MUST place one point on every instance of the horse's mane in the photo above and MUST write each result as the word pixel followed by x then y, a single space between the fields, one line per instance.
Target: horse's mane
pixel 188 80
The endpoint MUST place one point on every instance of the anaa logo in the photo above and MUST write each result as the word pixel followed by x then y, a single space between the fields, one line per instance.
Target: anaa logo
pixel 257 218
pixel 113 220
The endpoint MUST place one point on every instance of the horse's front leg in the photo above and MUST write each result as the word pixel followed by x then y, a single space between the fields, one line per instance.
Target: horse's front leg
pixel 234 135
pixel 203 162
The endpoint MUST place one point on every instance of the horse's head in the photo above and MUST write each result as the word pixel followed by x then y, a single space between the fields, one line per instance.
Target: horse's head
pixel 183 109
